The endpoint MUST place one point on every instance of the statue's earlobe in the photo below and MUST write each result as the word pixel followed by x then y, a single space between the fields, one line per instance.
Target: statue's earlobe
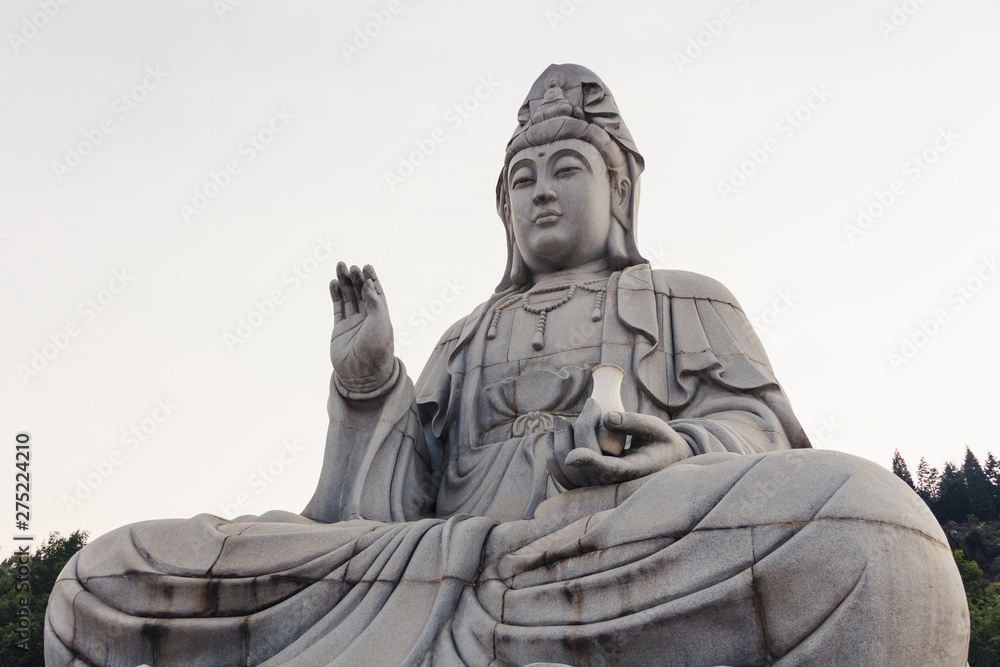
pixel 518 269
pixel 617 249
pixel 621 194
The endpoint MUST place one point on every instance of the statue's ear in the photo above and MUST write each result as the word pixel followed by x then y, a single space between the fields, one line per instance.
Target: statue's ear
pixel 621 197
pixel 519 274
pixel 621 192
pixel 618 246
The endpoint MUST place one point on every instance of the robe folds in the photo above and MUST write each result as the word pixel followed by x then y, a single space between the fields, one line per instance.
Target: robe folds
pixel 441 533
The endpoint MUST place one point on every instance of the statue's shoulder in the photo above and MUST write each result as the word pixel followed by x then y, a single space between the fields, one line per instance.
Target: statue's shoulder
pixel 454 332
pixel 689 285
pixel 462 328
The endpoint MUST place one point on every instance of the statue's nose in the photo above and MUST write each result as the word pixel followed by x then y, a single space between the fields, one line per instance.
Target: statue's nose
pixel 543 193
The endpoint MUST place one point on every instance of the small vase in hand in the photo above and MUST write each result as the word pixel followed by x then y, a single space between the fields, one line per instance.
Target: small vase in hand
pixel 608 395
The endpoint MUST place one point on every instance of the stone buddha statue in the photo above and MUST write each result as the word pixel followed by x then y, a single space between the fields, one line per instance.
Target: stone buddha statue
pixel 515 506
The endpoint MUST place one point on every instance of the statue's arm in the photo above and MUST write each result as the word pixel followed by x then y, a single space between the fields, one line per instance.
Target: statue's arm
pixel 720 420
pixel 724 393
pixel 375 464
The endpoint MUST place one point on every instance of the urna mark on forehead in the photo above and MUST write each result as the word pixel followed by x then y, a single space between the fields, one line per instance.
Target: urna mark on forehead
pixel 551 150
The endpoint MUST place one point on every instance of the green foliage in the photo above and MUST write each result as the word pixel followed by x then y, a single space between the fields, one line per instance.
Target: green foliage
pixel 980 490
pixel 44 565
pixel 984 613
pixel 957 491
pixel 953 499
pixel 992 469
pixel 984 645
pixel 900 469
pixel 927 482
pixel 972 576
pixel 966 501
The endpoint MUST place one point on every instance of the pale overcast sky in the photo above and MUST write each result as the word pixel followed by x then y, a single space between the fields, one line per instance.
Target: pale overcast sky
pixel 170 169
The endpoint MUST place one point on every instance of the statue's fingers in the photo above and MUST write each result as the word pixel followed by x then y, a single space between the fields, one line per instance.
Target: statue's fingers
pixel 581 458
pixel 646 428
pixel 585 428
pixel 359 283
pixel 338 301
pixel 373 302
pixel 562 445
pixel 343 273
pixel 356 277
pixel 347 289
pixel 369 273
pixel 357 280
pixel 597 468
pixel 656 456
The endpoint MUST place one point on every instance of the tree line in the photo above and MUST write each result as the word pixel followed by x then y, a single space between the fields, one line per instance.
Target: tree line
pixel 956 493
pixel 25 584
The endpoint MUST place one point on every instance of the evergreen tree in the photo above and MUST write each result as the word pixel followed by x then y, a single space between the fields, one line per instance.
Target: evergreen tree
pixel 927 482
pixel 18 647
pixel 992 470
pixel 900 469
pixel 953 498
pixel 980 491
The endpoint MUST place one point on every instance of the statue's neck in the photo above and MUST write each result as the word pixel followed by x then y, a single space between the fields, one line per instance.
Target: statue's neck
pixel 590 271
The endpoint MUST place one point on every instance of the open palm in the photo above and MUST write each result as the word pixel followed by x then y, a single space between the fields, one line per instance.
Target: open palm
pixel 362 345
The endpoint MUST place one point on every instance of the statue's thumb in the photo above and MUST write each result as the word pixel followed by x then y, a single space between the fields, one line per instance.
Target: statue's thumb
pixel 371 297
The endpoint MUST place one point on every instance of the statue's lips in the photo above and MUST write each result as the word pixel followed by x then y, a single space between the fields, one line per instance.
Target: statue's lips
pixel 546 217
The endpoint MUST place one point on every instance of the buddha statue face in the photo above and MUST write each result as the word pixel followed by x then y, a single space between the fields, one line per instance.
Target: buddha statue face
pixel 561 203
pixel 568 193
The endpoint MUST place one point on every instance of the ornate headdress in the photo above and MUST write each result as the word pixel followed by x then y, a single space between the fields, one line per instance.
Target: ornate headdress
pixel 571 102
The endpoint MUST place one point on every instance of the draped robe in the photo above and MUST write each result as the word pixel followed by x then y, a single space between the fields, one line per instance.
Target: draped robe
pixel 441 534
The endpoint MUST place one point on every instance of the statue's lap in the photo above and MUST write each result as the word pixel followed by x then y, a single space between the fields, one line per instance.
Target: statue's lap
pixel 744 558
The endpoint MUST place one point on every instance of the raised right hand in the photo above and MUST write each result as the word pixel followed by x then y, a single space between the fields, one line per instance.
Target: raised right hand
pixel 362 345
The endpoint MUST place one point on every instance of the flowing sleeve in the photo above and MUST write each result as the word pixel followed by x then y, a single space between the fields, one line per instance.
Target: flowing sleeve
pixel 382 461
pixel 704 366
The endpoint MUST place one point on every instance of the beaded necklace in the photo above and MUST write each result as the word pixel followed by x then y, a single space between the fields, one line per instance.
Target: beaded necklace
pixel 538 342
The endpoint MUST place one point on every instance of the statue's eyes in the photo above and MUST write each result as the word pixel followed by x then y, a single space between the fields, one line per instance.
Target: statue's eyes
pixel 522 180
pixel 568 170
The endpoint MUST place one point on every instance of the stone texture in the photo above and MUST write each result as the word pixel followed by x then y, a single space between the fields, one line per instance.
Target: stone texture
pixel 472 518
